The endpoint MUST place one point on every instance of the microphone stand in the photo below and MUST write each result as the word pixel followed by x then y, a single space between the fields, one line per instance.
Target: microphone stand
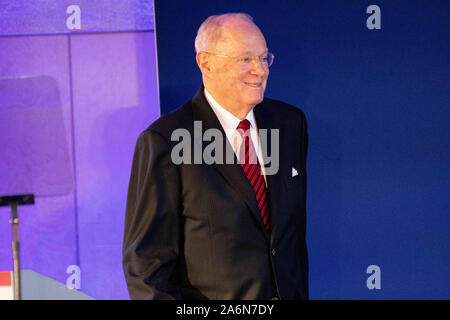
pixel 13 202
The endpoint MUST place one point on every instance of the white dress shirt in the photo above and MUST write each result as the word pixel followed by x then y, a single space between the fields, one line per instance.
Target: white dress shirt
pixel 230 123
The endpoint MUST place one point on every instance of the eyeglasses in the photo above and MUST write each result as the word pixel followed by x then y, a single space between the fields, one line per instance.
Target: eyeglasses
pixel 245 60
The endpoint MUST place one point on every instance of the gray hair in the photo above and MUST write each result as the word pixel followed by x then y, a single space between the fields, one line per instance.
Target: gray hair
pixel 210 31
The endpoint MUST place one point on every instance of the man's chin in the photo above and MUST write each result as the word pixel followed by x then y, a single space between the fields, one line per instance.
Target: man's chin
pixel 256 100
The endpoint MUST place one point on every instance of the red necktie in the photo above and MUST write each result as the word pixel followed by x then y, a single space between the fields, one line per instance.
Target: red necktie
pixel 252 169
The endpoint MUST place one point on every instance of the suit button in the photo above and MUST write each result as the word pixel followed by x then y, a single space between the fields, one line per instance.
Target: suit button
pixel 273 252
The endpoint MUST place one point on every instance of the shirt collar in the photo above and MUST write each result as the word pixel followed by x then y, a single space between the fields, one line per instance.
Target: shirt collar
pixel 228 120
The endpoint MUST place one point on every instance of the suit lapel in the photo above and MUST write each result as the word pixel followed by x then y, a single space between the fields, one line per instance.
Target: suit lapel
pixel 232 173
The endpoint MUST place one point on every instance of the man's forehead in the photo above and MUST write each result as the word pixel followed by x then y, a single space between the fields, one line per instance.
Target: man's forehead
pixel 236 27
pixel 244 37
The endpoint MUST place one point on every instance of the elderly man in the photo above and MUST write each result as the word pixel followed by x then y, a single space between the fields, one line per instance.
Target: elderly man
pixel 221 230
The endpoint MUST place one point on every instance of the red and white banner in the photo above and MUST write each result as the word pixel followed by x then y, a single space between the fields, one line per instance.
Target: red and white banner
pixel 6 285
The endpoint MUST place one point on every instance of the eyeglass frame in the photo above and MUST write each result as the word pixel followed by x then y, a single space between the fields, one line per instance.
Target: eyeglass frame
pixel 241 56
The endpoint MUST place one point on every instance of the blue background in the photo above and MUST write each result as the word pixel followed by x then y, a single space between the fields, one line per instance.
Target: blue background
pixel 377 104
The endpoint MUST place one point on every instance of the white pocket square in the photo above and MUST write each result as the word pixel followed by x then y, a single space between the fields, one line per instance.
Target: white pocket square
pixel 294 172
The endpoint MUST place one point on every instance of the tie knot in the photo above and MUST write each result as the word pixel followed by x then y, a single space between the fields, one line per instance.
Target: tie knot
pixel 244 125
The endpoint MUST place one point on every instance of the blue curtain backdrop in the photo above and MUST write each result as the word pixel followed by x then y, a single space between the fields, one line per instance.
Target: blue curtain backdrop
pixel 377 104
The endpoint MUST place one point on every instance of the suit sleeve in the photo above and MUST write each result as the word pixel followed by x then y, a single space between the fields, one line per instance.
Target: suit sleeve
pixel 152 221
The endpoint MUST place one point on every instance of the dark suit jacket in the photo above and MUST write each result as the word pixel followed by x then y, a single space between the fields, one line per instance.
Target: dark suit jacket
pixel 193 231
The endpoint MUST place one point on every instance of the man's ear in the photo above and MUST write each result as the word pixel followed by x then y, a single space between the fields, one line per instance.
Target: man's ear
pixel 204 63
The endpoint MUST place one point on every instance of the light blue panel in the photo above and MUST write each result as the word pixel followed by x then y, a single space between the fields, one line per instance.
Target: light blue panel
pixel 115 98
pixel 44 17
pixel 47 230
pixel 38 287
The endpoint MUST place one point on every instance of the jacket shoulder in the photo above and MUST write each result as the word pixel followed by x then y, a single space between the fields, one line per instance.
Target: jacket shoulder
pixel 177 119
pixel 279 108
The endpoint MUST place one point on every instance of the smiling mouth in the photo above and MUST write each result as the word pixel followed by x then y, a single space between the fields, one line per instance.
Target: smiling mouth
pixel 253 84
